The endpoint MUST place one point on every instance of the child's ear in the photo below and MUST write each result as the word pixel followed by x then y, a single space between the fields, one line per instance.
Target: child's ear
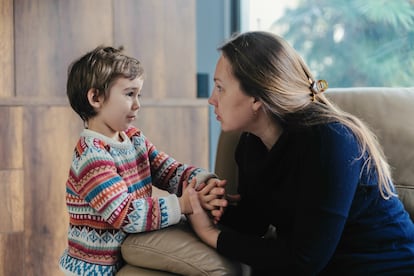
pixel 93 97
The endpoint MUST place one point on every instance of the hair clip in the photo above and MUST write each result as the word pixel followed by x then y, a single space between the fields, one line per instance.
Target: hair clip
pixel 317 87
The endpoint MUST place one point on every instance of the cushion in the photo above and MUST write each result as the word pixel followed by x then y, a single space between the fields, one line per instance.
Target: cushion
pixel 131 270
pixel 390 113
pixel 175 249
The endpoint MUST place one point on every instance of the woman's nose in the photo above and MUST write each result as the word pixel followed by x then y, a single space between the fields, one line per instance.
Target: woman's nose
pixel 212 99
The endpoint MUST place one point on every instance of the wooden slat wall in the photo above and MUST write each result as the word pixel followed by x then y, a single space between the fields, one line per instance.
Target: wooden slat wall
pixel 50 34
pixel 6 48
pixel 38 40
pixel 166 50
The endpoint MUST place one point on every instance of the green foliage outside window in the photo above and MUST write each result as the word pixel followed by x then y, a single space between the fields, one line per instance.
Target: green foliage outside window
pixel 354 42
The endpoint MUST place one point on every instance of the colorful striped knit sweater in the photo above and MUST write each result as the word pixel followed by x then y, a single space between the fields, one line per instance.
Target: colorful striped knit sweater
pixel 108 194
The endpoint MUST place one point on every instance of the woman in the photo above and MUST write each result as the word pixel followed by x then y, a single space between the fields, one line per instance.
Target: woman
pixel 312 171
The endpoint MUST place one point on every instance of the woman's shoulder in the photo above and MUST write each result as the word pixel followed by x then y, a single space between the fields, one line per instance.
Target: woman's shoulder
pixel 322 133
pixel 338 139
pixel 335 131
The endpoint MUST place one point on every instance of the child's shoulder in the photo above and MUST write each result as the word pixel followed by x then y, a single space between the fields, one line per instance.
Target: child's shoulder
pixel 96 142
pixel 89 142
pixel 133 131
pixel 92 140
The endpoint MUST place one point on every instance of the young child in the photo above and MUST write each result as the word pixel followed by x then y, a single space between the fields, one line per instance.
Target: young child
pixel 109 189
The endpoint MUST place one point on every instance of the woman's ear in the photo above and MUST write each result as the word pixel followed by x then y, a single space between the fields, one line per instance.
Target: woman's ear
pixel 93 97
pixel 257 104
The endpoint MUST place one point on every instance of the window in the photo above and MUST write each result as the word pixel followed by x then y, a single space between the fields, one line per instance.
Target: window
pixel 346 42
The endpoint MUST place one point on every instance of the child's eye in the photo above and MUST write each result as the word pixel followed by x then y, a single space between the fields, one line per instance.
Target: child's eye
pixel 130 94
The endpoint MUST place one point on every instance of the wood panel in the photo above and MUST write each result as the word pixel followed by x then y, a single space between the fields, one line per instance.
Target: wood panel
pixel 53 132
pixel 12 254
pixel 11 201
pixel 11 129
pixel 6 46
pixel 49 35
pixel 161 34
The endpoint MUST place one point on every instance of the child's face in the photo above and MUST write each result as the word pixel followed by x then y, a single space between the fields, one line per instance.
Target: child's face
pixel 120 109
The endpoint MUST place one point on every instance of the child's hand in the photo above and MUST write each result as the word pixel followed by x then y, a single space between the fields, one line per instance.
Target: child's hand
pixel 212 197
pixel 184 200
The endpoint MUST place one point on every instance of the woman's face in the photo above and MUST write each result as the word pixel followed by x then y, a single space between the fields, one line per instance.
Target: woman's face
pixel 233 108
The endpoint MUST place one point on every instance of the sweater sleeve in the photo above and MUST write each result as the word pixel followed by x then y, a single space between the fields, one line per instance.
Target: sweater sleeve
pixel 322 204
pixel 146 214
pixel 169 174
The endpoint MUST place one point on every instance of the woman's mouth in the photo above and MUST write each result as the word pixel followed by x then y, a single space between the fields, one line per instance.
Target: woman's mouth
pixel 218 118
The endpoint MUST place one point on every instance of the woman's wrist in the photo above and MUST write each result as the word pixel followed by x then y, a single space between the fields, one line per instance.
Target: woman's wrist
pixel 210 237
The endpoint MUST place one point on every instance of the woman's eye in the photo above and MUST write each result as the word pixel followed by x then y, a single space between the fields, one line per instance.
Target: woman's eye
pixel 219 89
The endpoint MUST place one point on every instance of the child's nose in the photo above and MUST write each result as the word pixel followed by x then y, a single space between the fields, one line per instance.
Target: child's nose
pixel 136 104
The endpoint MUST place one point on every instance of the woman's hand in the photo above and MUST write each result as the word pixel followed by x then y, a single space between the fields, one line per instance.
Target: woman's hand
pixel 212 198
pixel 200 221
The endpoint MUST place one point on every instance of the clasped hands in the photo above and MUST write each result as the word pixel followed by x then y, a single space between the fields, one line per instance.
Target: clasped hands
pixel 210 196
